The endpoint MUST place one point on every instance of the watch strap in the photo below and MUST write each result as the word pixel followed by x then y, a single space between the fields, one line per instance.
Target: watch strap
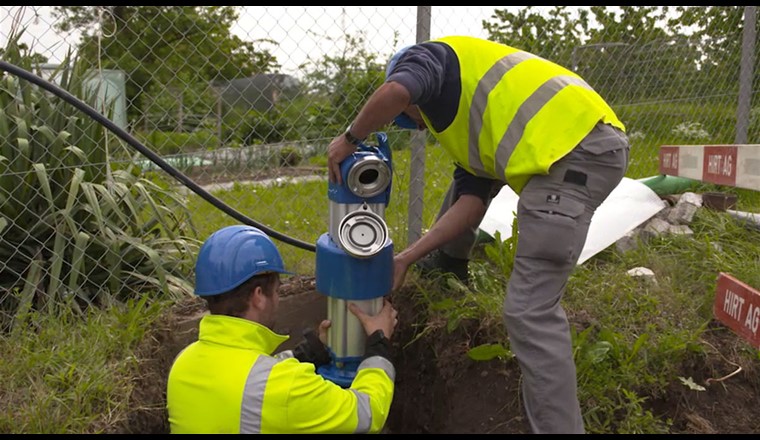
pixel 351 138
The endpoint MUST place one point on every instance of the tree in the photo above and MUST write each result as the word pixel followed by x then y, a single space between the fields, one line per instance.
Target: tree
pixel 719 30
pixel 626 53
pixel 180 48
pixel 633 54
pixel 552 36
pixel 337 87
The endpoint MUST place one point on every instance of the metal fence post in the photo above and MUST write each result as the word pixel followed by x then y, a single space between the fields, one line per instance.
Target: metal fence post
pixel 745 75
pixel 417 160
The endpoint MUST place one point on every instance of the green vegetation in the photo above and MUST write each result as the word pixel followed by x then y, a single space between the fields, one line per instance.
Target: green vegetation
pixel 71 374
pixel 94 250
pixel 300 210
pixel 76 228
pixel 637 334
pixel 169 142
pixel 158 74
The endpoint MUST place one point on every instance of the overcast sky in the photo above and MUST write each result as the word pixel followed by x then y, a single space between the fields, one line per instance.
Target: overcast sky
pixel 303 32
pixel 309 32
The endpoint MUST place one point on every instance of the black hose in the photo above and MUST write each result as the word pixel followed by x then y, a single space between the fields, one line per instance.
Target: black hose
pixel 94 114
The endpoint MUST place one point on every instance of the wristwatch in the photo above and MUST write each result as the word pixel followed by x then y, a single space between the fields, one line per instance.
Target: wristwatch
pixel 351 138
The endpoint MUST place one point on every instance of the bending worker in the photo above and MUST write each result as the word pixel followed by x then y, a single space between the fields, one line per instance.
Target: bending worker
pixel 228 381
pixel 506 116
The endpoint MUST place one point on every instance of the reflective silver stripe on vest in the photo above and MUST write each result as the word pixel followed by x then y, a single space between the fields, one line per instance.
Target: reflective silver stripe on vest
pixel 381 363
pixel 253 395
pixel 287 354
pixel 527 110
pixel 255 384
pixel 480 100
pixel 516 128
pixel 363 407
pixel 364 411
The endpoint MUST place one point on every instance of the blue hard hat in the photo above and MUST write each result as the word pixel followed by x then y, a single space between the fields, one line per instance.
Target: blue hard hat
pixel 401 120
pixel 231 256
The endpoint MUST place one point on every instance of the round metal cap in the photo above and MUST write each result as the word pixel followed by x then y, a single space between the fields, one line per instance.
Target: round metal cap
pixel 362 233
pixel 368 176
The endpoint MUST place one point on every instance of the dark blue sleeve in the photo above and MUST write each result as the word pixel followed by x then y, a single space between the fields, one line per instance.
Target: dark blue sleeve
pixel 482 187
pixel 430 72
pixel 421 70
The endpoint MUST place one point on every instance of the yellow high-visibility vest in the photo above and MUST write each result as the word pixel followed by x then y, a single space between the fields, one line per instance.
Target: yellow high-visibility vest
pixel 228 382
pixel 518 113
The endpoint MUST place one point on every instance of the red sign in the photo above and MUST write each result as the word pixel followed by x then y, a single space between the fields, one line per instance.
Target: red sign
pixel 738 306
pixel 669 160
pixel 719 165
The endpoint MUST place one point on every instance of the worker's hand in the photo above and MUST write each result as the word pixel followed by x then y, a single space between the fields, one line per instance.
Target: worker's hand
pixel 386 320
pixel 338 150
pixel 400 267
pixel 322 329
pixel 313 348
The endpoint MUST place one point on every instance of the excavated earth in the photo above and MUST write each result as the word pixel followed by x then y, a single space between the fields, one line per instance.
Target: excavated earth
pixel 439 390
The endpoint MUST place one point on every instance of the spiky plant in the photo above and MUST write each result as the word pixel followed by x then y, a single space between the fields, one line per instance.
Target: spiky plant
pixel 76 228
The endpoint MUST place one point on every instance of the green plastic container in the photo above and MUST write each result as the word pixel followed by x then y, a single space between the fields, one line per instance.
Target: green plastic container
pixel 663 184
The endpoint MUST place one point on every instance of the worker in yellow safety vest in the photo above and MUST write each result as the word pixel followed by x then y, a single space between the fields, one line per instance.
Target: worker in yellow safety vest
pixel 506 117
pixel 229 380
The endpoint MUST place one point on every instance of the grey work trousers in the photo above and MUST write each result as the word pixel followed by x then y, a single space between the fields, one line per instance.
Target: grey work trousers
pixel 553 216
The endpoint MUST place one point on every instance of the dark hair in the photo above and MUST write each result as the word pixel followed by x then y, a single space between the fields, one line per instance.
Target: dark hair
pixel 235 302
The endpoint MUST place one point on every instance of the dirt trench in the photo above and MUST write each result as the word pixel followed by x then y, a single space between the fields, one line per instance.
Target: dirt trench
pixel 439 390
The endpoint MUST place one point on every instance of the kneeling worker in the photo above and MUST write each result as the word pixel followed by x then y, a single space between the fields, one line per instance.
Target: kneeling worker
pixel 229 380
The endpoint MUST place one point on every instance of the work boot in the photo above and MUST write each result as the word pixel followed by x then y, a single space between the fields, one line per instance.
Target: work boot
pixel 438 263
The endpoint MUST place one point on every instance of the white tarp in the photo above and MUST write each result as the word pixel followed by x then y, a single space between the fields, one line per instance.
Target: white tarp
pixel 629 205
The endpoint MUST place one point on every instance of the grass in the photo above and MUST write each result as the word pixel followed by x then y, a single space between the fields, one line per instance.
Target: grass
pixel 67 375
pixel 652 327
pixel 301 210
pixel 637 333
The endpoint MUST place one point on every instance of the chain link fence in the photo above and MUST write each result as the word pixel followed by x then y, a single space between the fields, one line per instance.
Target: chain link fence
pixel 244 100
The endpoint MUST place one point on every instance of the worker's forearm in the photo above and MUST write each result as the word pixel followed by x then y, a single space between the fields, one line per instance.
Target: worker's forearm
pixel 466 213
pixel 387 102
